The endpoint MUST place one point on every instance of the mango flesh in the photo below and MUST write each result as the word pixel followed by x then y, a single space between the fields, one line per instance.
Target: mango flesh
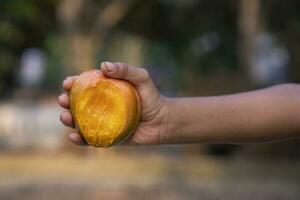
pixel 105 111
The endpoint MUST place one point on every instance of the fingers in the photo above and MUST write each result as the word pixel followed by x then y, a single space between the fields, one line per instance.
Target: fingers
pixel 63 101
pixel 74 137
pixel 66 119
pixel 68 82
pixel 135 75
pixel 77 139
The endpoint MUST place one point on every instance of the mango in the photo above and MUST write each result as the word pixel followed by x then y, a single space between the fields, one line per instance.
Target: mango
pixel 106 111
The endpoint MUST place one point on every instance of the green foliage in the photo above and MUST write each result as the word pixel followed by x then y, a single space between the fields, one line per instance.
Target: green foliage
pixel 55 47
pixel 23 24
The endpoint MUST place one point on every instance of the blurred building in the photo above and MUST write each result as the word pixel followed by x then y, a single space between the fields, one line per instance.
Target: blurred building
pixel 27 125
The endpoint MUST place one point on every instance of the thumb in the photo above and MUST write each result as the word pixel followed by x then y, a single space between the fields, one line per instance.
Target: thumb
pixel 134 75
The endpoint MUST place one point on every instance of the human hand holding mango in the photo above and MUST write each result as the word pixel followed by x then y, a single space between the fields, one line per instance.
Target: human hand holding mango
pixel 151 120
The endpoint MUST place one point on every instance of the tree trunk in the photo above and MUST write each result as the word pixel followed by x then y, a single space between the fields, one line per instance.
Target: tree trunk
pixel 249 27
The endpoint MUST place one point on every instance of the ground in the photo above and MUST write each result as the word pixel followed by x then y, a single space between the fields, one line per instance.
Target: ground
pixel 115 175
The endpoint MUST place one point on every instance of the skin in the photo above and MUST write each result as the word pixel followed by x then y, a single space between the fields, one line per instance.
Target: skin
pixel 251 117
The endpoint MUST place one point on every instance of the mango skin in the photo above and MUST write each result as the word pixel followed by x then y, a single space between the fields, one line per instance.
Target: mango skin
pixel 106 111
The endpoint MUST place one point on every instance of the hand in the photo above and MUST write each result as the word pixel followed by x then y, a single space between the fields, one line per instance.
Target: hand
pixel 154 114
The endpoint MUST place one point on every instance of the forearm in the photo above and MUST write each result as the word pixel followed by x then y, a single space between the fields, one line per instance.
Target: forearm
pixel 258 116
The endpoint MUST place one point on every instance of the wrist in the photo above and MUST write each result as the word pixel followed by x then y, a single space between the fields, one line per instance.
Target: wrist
pixel 168 121
pixel 184 124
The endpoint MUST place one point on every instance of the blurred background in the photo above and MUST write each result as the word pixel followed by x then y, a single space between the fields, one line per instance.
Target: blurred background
pixel 190 47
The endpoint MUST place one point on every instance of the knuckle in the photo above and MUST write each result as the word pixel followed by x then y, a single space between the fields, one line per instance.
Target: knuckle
pixel 122 68
pixel 144 74
pixel 64 83
pixel 125 70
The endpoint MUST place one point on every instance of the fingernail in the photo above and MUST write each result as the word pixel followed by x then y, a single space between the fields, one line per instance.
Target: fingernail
pixel 110 67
